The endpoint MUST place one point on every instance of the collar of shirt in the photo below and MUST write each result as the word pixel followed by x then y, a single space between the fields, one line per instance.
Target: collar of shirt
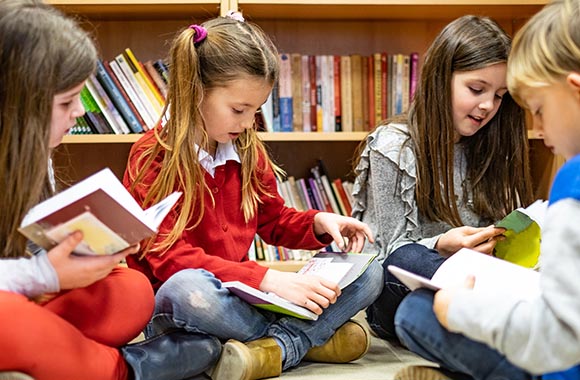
pixel 224 153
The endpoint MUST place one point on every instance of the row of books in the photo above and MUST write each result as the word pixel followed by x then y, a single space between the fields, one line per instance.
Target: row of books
pixel 123 96
pixel 332 93
pixel 317 192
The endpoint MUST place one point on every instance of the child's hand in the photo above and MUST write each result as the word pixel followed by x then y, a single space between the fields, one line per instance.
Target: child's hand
pixel 482 239
pixel 80 271
pixel 443 299
pixel 311 292
pixel 341 227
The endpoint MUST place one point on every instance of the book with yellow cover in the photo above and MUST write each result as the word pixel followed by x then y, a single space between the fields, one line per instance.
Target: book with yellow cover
pixel 523 234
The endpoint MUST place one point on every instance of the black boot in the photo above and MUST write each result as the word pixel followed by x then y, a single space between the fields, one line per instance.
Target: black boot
pixel 173 355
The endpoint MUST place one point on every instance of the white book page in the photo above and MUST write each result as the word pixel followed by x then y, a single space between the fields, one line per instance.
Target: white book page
pixel 325 268
pixel 536 211
pixel 490 273
pixel 156 213
pixel 104 179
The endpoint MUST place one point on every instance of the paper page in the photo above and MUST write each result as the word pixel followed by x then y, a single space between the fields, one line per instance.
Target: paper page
pixel 156 213
pixel 411 280
pixel 490 273
pixel 104 179
pixel 325 268
pixel 98 239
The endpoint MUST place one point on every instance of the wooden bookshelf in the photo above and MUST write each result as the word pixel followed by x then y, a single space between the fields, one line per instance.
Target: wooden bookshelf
pixel 337 27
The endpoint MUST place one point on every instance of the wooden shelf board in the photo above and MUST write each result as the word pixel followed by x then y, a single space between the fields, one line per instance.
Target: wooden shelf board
pixel 387 10
pixel 265 136
pixel 136 10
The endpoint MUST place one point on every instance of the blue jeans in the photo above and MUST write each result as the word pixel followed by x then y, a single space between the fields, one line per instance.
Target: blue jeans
pixel 415 258
pixel 193 299
pixel 419 330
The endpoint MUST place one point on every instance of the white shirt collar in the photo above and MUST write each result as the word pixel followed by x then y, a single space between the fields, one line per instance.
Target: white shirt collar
pixel 224 152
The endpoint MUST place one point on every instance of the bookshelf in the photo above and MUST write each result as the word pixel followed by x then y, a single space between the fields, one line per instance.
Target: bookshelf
pixel 338 27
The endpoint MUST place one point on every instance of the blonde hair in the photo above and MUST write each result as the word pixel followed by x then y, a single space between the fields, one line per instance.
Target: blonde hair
pixel 231 50
pixel 547 47
pixel 42 53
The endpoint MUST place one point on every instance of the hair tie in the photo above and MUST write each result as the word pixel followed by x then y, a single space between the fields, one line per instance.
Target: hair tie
pixel 200 33
pixel 235 15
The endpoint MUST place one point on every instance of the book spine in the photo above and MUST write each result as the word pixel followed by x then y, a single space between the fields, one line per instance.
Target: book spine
pixel 285 86
pixel 346 93
pixel 378 88
pixel 125 77
pixel 134 63
pixel 306 120
pixel 105 111
pixel 371 91
pixel 155 78
pixel 121 88
pixel 313 93
pixel 117 98
pixel 337 93
pixel 406 80
pixel 413 75
pixel 161 68
pixel 296 80
pixel 357 106
pixel 137 88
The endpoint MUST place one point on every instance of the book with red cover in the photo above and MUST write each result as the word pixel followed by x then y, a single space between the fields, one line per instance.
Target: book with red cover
pixel 100 207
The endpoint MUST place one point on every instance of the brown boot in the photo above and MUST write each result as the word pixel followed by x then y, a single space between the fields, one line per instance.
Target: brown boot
pixel 420 373
pixel 257 359
pixel 350 342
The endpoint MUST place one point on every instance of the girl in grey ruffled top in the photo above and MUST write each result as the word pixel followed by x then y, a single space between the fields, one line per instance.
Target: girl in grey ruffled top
pixel 384 193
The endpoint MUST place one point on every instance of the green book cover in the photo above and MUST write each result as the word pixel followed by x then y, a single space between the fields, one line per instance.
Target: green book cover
pixel 523 235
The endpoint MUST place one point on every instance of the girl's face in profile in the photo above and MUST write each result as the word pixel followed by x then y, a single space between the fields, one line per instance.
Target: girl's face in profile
pixel 228 111
pixel 556 114
pixel 66 107
pixel 476 96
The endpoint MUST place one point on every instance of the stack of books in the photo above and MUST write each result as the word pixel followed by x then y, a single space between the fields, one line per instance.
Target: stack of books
pixel 123 96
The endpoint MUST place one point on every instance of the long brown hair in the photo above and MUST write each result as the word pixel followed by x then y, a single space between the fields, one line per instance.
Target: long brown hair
pixel 498 173
pixel 42 53
pixel 231 50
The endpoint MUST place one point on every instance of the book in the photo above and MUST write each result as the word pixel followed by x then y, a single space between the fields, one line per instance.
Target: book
pixel 523 234
pixel 99 206
pixel 490 273
pixel 342 268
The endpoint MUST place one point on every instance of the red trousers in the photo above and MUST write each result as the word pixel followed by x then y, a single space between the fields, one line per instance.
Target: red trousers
pixel 77 334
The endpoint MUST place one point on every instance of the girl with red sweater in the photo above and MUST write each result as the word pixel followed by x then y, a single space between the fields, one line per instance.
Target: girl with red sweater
pixel 221 73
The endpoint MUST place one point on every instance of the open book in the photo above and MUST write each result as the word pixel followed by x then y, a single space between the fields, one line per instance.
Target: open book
pixel 99 206
pixel 342 268
pixel 523 231
pixel 490 273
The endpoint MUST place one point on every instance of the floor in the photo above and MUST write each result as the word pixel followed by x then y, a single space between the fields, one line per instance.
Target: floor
pixel 381 362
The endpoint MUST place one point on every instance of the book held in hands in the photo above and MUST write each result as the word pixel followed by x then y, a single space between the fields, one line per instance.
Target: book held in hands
pixel 490 273
pixel 522 236
pixel 341 268
pixel 102 209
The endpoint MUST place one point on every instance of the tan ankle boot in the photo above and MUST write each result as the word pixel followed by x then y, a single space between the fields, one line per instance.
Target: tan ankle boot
pixel 420 373
pixel 257 359
pixel 350 342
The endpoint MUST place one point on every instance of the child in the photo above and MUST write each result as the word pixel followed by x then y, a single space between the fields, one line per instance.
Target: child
pixel 221 73
pixel 430 183
pixel 62 316
pixel 541 335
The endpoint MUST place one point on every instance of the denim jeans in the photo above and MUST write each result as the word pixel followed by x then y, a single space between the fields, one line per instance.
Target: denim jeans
pixel 194 299
pixel 415 258
pixel 419 330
